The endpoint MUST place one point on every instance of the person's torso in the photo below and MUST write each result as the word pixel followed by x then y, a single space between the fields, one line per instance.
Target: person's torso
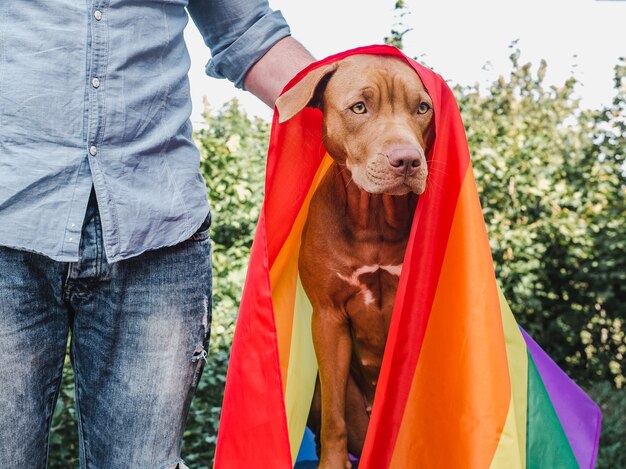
pixel 96 92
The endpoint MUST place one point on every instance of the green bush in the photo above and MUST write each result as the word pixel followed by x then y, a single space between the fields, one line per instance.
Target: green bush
pixel 64 432
pixel 233 149
pixel 612 454
pixel 552 186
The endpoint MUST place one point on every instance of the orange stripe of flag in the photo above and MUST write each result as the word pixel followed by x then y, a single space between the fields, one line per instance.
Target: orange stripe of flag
pixel 460 393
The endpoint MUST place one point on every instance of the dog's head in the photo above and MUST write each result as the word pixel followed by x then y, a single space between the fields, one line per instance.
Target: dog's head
pixel 378 120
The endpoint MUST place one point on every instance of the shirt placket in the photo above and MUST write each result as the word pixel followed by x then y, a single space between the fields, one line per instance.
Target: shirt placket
pixel 95 117
pixel 96 83
pixel 97 113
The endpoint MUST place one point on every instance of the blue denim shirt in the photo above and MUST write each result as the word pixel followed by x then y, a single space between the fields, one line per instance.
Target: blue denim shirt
pixel 96 92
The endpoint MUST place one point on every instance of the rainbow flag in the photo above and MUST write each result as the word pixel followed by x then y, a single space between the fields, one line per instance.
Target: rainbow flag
pixel 461 385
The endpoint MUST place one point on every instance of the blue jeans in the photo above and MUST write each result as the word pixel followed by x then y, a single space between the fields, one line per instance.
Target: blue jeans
pixel 139 330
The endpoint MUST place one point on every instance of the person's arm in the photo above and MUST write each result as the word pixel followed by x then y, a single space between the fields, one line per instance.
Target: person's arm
pixel 249 41
pixel 270 74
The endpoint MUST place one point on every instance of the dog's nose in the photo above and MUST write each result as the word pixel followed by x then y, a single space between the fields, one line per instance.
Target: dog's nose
pixel 405 160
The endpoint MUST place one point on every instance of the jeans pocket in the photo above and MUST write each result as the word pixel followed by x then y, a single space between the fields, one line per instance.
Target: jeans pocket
pixel 202 233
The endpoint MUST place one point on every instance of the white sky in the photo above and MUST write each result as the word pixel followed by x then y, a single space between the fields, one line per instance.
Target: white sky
pixel 456 38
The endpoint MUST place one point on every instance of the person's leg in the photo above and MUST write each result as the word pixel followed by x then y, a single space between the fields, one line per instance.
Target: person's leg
pixel 33 339
pixel 138 348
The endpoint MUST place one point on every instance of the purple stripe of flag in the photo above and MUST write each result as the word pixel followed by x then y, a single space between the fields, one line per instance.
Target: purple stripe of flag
pixel 579 416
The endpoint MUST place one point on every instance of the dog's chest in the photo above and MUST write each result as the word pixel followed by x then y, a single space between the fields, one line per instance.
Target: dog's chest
pixel 372 288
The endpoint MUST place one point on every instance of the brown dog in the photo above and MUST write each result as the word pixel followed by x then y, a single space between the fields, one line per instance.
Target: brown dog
pixel 377 128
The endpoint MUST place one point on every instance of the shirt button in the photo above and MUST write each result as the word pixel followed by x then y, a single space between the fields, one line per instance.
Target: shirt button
pixel 96 83
pixel 97 15
pixel 93 151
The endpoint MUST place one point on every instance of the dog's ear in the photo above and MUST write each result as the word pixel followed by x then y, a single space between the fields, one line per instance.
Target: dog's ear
pixel 307 92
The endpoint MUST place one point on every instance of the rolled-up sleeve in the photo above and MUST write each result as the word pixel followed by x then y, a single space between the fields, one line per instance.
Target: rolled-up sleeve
pixel 238 32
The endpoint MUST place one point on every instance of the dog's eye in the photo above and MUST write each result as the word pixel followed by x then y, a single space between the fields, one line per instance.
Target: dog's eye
pixel 423 108
pixel 359 108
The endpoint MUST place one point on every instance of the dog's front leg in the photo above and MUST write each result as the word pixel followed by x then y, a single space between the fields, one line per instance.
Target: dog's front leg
pixel 333 348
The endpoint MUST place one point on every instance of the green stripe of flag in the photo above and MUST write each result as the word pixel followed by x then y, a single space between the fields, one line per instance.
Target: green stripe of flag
pixel 547 446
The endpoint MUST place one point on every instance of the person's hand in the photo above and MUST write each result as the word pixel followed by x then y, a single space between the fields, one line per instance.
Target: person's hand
pixel 267 78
